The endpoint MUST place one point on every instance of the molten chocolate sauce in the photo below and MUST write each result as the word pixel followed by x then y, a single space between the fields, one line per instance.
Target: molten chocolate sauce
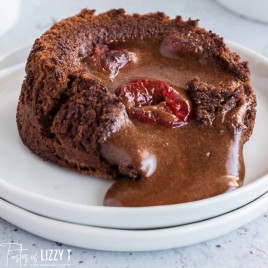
pixel 176 165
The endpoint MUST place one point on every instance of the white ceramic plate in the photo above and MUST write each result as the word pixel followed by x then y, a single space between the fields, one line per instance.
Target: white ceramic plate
pixel 256 10
pixel 48 190
pixel 131 240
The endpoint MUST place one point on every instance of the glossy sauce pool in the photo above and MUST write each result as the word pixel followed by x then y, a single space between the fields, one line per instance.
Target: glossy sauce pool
pixel 177 165
pixel 182 164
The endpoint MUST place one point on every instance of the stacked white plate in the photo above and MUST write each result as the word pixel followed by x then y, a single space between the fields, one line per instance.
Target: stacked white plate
pixel 67 207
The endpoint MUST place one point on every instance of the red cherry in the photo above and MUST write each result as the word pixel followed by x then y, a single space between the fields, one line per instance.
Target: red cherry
pixel 178 105
pixel 173 45
pixel 156 102
pixel 111 61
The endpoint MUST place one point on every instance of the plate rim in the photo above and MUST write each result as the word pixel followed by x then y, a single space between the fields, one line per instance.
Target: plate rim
pixel 171 237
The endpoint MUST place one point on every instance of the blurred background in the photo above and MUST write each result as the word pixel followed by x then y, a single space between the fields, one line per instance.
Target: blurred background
pixel 23 21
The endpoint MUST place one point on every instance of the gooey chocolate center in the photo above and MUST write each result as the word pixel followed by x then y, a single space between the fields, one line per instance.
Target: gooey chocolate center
pixel 178 159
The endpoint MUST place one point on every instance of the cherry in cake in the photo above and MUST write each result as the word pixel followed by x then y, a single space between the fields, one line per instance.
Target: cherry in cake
pixel 154 101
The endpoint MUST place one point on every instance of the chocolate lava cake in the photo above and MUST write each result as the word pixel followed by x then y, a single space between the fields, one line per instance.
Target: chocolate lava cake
pixel 160 105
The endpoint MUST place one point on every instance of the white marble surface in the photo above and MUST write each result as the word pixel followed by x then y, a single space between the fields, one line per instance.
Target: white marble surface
pixel 245 247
